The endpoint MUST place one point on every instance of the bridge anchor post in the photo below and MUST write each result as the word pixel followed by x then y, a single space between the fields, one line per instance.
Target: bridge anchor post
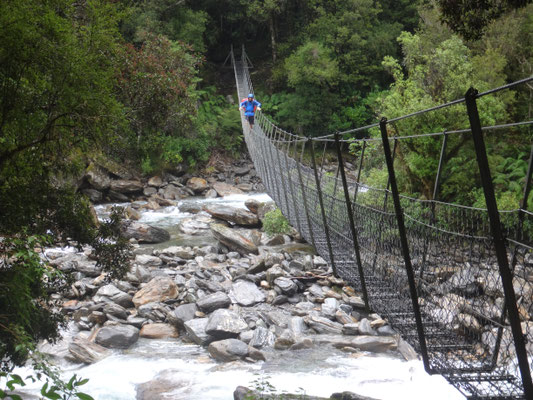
pixel 499 241
pixel 352 222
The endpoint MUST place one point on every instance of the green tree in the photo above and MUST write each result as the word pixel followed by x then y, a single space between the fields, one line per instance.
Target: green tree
pixel 57 102
pixel 470 18
pixel 156 85
pixel 437 70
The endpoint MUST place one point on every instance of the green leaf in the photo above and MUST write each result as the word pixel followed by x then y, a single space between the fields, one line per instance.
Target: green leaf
pixel 82 382
pixel 84 396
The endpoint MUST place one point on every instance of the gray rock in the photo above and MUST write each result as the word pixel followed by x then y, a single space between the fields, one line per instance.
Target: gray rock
pixel 297 326
pixel 323 325
pixel 145 259
pixel 286 285
pixel 274 273
pixel 224 189
pixel 97 177
pixel 112 293
pixel 196 331
pixel 116 311
pixel 224 324
pixel 142 274
pixel 329 307
pixel 246 293
pixel 285 340
pixel 171 192
pixel 84 351
pixel 154 311
pixel 144 233
pixel 211 194
pixel 213 302
pixel 117 336
pixel 124 186
pixel 365 328
pixel 235 215
pixel 183 313
pixel 233 239
pixel 228 350
pixel 351 329
pixel 262 337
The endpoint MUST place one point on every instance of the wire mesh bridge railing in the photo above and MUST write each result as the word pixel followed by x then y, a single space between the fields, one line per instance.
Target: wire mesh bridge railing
pixel 454 281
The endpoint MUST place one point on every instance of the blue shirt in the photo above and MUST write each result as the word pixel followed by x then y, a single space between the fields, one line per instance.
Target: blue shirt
pixel 250 106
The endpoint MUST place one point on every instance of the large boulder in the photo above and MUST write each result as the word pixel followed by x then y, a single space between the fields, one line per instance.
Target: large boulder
pixel 224 189
pixel 126 186
pixel 84 351
pixel 117 336
pixel 97 177
pixel 233 239
pixel 246 293
pixel 144 233
pixel 228 350
pixel 196 331
pixel 159 289
pixel 112 293
pixel 183 313
pixel 223 324
pixel 197 185
pixel 236 215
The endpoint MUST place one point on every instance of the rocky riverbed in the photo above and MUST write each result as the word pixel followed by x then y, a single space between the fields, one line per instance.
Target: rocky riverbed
pixel 211 300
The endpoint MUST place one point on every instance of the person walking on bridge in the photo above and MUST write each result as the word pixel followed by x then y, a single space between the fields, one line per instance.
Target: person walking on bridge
pixel 250 106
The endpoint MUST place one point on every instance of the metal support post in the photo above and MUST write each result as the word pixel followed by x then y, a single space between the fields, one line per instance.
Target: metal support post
pixel 499 242
pixel 322 210
pixel 404 244
pixel 352 223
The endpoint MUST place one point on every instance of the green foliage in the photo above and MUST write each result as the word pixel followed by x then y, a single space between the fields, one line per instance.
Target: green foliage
pixel 53 389
pixel 57 73
pixel 169 18
pixel 470 18
pixel 27 310
pixel 220 121
pixel 156 86
pixel 275 223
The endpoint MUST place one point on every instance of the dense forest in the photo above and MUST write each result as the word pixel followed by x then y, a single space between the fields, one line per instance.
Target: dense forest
pixel 142 83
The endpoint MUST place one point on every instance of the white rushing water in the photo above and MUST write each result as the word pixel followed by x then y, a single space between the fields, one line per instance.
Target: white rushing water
pixel 195 376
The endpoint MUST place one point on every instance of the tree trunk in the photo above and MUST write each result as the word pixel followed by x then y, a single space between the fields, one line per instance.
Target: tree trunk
pixel 273 38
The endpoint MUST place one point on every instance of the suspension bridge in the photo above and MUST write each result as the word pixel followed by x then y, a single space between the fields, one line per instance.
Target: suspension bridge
pixel 456 282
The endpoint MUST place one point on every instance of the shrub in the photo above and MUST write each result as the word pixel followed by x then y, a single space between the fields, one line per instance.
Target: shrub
pixel 275 223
